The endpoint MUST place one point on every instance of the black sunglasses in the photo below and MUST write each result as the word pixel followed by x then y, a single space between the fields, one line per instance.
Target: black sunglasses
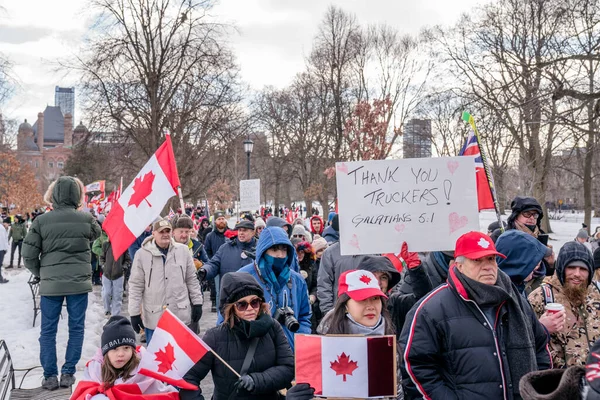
pixel 243 305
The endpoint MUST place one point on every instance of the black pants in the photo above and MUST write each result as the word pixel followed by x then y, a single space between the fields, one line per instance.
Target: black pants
pixel 19 244
pixel 2 253
pixel 213 290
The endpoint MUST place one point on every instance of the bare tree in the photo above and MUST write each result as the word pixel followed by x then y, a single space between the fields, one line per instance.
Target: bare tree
pixel 499 54
pixel 157 65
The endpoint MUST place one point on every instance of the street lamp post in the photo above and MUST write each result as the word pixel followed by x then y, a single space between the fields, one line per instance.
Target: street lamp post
pixel 248 146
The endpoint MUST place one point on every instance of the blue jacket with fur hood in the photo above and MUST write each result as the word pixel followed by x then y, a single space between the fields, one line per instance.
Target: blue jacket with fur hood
pixel 293 294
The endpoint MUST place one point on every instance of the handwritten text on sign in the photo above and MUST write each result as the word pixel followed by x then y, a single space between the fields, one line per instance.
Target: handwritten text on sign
pixel 427 202
pixel 250 195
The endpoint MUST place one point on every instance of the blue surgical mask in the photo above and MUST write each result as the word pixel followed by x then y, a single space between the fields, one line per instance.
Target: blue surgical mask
pixel 276 263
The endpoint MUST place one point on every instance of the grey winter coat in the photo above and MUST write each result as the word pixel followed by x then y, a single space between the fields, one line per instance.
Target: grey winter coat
pixel 158 282
pixel 332 266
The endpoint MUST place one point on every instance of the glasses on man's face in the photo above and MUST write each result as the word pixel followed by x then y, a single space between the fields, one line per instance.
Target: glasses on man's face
pixel 530 214
pixel 243 305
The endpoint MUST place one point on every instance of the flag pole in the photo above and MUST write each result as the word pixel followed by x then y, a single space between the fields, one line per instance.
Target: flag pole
pixel 225 363
pixel 488 173
pixel 182 204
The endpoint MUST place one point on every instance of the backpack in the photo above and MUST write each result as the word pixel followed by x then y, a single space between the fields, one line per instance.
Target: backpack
pixel 549 295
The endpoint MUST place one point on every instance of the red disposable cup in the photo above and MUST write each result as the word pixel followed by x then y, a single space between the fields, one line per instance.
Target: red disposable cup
pixel 553 308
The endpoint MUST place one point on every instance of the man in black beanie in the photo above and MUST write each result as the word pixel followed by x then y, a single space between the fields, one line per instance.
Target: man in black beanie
pixel 117 332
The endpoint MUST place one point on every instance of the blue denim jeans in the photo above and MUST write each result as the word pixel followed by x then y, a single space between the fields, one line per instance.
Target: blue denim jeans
pixel 51 307
pixel 149 333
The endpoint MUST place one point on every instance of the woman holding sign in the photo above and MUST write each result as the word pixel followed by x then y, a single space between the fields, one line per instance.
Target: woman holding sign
pixel 359 310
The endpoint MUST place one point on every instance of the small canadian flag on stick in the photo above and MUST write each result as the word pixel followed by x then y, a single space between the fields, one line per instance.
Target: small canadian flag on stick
pixel 347 366
pixel 143 200
pixel 172 352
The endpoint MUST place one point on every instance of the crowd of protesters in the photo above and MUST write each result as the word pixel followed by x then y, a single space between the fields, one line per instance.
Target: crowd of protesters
pixel 499 316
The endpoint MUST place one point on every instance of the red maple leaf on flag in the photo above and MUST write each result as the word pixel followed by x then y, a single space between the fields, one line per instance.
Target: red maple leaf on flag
pixel 142 187
pixel 165 358
pixel 365 279
pixel 343 366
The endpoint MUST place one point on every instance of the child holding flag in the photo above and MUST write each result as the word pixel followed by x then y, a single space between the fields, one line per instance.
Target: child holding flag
pixel 113 372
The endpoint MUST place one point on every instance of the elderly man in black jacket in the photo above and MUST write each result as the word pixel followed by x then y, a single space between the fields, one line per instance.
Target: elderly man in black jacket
pixel 473 337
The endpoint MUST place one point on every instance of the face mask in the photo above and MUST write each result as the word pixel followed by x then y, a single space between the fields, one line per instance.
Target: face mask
pixel 277 264
pixel 531 227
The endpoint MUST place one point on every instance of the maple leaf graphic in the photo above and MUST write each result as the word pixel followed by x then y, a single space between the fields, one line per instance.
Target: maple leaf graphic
pixel 343 366
pixel 165 358
pixel 365 279
pixel 142 187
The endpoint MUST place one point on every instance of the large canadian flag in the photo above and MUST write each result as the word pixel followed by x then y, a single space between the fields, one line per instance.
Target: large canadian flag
pixel 347 366
pixel 172 352
pixel 143 200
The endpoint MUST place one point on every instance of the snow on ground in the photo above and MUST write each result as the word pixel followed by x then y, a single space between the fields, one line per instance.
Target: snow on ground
pixel 16 308
pixel 16 316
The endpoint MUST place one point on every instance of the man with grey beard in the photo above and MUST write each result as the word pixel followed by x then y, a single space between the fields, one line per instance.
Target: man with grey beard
pixel 575 329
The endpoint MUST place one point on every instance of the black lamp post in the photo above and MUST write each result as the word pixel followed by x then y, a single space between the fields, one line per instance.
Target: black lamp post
pixel 248 146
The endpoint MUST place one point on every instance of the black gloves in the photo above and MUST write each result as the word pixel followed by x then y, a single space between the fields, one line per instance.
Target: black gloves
pixel 35 280
pixel 201 274
pixel 300 391
pixel 136 323
pixel 196 312
pixel 245 382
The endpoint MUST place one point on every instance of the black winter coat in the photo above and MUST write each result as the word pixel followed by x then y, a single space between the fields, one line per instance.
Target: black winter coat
pixel 271 370
pixel 399 304
pixel 214 240
pixel 436 272
pixel 450 351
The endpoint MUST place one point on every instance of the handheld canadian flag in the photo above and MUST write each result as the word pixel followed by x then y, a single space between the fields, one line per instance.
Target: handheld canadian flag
pixel 143 200
pixel 176 349
pixel 347 366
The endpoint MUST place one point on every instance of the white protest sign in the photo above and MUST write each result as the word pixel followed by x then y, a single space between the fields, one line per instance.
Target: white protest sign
pixel 250 195
pixel 427 202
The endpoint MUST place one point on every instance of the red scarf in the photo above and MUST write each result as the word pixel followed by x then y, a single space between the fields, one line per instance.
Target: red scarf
pixel 125 391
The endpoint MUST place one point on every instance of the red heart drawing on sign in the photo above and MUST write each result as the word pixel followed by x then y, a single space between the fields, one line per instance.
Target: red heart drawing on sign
pixel 452 166
pixel 399 228
pixel 342 168
pixel 457 222
pixel 354 242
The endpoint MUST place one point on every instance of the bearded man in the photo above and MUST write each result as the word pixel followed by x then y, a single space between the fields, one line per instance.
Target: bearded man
pixel 574 330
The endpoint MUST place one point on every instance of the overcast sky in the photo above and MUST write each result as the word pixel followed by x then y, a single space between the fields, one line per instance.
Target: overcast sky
pixel 274 36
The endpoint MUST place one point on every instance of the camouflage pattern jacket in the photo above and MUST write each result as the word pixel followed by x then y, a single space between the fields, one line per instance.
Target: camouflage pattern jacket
pixel 571 346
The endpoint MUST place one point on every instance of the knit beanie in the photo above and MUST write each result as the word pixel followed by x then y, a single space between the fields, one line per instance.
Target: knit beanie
pixel 574 253
pixel 236 285
pixel 117 332
pixel 299 230
pixel 330 216
pixel 259 223
pixel 319 244
pixel 218 214
pixel 582 234
pixel 335 222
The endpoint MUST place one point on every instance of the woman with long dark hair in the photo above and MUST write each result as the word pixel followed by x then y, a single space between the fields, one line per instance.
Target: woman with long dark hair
pixel 360 308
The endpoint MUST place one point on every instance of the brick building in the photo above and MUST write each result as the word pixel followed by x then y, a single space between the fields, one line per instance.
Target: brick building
pixel 47 144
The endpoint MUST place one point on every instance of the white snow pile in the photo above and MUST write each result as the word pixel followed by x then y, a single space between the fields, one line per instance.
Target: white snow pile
pixel 16 318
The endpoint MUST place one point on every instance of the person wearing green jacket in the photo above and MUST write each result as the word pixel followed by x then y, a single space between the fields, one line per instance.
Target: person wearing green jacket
pixel 17 234
pixel 57 252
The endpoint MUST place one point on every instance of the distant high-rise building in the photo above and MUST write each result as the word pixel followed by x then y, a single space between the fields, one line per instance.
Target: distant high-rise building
pixel 417 140
pixel 65 99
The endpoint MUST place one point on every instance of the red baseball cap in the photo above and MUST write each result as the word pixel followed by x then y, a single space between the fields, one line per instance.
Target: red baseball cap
pixel 359 285
pixel 474 245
